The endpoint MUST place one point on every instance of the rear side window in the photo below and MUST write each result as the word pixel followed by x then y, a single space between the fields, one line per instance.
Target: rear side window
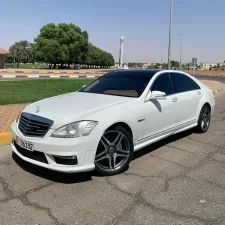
pixel 183 83
pixel 163 83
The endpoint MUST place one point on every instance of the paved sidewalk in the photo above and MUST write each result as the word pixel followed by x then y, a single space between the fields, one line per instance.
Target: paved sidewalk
pixel 8 113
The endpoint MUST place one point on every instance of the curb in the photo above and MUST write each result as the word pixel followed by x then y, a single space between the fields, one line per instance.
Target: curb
pixel 48 76
pixel 48 72
pixel 216 91
pixel 5 138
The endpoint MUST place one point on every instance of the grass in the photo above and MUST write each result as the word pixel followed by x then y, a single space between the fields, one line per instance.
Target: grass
pixel 27 91
pixel 30 66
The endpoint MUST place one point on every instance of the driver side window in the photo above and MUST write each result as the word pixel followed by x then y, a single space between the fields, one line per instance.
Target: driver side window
pixel 164 84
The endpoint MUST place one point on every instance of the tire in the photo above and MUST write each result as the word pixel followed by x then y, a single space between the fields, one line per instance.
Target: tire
pixel 115 151
pixel 204 119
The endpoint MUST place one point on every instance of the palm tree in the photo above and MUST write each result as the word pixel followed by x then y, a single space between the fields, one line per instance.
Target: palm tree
pixel 21 52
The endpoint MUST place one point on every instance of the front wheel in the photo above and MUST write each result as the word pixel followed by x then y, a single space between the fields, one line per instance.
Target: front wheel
pixel 114 152
pixel 204 119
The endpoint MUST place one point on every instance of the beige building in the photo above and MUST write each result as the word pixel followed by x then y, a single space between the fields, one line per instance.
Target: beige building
pixel 207 65
pixel 2 58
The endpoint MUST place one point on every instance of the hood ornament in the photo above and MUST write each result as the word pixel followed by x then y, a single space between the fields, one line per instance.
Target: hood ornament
pixel 38 109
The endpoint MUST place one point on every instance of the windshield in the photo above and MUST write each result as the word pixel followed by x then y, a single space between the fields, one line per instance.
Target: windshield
pixel 122 83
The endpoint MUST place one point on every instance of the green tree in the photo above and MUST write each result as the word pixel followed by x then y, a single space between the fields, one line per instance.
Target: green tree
pixel 92 56
pixel 98 57
pixel 164 66
pixel 157 66
pixel 186 66
pixel 210 67
pixel 70 41
pixel 8 58
pixel 174 64
pixel 52 53
pixel 20 52
pixel 111 60
pixel 135 64
pixel 130 64
pixel 67 43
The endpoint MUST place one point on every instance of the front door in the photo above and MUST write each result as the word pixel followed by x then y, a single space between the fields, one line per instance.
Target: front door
pixel 161 115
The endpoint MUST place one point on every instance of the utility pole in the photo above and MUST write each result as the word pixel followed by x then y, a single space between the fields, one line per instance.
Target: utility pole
pixel 181 43
pixel 170 34
pixel 161 56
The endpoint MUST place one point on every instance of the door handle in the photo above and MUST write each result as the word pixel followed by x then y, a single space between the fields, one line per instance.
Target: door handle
pixel 175 99
pixel 199 93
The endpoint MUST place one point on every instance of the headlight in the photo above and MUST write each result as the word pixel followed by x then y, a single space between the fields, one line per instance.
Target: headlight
pixel 76 129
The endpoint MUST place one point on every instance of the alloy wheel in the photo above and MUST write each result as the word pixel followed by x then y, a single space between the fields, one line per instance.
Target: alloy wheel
pixel 113 151
pixel 205 118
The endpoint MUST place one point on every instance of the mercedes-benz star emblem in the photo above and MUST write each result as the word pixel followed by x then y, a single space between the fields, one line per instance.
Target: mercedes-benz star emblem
pixel 38 109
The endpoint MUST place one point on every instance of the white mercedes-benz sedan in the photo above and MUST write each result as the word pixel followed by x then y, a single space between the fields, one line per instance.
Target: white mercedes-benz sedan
pixel 101 125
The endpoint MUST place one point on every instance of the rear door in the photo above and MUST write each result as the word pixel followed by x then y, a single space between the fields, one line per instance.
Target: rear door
pixel 188 94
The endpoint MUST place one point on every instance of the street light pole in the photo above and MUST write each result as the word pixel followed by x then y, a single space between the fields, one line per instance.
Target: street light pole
pixel 170 34
pixel 162 57
pixel 121 51
pixel 181 46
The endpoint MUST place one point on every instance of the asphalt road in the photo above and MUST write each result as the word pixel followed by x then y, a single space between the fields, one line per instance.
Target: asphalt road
pixel 180 180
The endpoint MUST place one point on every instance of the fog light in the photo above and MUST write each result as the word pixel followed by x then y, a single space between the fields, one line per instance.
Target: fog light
pixel 66 160
pixel 66 157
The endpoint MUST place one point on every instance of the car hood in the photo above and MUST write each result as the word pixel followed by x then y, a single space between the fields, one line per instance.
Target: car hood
pixel 71 107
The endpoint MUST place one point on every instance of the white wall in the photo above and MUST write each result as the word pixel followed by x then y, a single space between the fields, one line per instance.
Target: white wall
pixel 206 66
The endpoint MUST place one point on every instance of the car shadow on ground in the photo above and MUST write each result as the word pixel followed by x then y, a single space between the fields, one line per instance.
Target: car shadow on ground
pixel 162 143
pixel 58 177
pixel 69 178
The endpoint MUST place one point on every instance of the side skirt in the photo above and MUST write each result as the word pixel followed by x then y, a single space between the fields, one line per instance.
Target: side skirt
pixel 153 140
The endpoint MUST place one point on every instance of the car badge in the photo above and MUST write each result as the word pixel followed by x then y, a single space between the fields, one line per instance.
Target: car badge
pixel 38 109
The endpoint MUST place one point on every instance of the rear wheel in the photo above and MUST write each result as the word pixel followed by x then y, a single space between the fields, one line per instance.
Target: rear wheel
pixel 114 152
pixel 204 119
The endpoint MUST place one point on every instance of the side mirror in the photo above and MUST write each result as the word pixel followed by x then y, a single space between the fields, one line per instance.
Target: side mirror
pixel 155 95
pixel 158 94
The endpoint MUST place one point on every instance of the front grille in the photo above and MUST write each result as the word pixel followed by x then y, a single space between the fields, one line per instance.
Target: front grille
pixel 34 126
pixel 35 155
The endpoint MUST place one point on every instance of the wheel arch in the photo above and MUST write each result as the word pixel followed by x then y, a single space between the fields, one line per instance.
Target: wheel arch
pixel 122 124
pixel 207 103
pixel 202 102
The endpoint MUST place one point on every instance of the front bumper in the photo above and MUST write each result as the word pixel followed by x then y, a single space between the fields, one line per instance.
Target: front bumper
pixel 84 148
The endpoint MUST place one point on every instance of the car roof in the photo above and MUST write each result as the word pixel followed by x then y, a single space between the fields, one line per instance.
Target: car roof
pixel 142 73
pixel 142 70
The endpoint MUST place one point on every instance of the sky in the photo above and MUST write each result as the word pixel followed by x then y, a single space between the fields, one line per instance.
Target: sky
pixel 143 23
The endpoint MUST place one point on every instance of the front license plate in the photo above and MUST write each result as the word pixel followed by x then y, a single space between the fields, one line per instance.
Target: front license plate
pixel 25 144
